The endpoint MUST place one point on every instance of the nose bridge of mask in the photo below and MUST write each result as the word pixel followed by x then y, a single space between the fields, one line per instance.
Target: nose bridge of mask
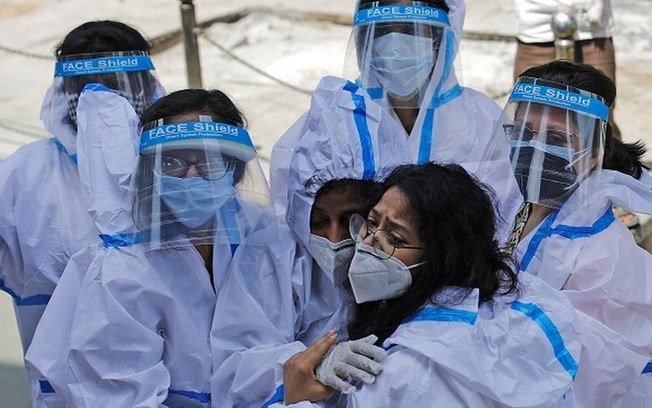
pixel 558 151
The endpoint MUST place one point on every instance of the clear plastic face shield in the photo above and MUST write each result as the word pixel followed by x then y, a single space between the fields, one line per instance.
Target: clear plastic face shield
pixel 199 182
pixel 393 49
pixel 556 139
pixel 130 74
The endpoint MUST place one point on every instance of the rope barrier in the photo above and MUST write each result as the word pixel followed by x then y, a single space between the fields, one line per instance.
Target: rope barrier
pixel 5 125
pixel 26 53
pixel 252 67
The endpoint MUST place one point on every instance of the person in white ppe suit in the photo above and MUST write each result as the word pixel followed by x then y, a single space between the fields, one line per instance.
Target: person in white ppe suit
pixel 556 126
pixel 43 219
pixel 461 329
pixel 402 55
pixel 278 300
pixel 138 332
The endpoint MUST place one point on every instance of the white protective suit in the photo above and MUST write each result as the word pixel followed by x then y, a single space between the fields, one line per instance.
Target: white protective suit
pixel 43 222
pixel 127 326
pixel 453 126
pixel 593 259
pixel 276 300
pixel 508 353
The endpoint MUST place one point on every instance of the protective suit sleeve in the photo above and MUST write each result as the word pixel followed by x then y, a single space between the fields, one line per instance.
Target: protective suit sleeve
pixel 47 352
pixel 612 282
pixel 10 255
pixel 254 328
pixel 114 353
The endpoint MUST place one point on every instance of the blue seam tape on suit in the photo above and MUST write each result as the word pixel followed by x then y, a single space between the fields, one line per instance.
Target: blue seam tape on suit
pixel 36 300
pixel 360 119
pixel 204 397
pixel 278 396
pixel 542 320
pixel 566 231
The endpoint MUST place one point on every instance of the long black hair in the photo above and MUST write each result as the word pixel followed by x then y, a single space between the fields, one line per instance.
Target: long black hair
pixel 208 102
pixel 456 226
pixel 619 156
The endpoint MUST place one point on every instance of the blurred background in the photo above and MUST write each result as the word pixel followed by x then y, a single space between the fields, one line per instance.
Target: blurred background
pixel 267 55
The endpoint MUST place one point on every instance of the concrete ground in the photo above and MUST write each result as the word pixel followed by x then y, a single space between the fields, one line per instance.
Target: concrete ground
pixel 295 42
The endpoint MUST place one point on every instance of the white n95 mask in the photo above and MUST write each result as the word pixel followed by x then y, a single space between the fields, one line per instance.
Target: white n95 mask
pixel 332 258
pixel 402 62
pixel 373 278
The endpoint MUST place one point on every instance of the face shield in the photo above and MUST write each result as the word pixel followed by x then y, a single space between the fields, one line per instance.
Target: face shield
pixel 555 136
pixel 199 182
pixel 127 73
pixel 394 48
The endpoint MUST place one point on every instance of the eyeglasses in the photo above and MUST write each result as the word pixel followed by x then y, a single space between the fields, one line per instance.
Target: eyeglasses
pixel 383 243
pixel 553 137
pixel 211 168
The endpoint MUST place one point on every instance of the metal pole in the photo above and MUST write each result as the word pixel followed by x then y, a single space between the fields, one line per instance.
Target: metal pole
pixel 564 26
pixel 190 45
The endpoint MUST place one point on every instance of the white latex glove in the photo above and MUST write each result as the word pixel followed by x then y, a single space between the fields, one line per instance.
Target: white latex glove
pixel 355 359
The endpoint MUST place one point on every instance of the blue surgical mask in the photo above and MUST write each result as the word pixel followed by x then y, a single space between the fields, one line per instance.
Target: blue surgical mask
pixel 402 62
pixel 195 200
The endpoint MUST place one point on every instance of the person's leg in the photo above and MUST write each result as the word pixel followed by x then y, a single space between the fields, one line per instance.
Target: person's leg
pixel 530 55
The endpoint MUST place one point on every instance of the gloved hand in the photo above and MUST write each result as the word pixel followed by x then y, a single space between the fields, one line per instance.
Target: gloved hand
pixel 355 359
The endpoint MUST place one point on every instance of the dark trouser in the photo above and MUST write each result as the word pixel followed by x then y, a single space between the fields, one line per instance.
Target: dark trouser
pixel 598 52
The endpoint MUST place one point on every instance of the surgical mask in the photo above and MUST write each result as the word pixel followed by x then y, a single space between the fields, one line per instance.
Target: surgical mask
pixel 195 200
pixel 373 278
pixel 332 258
pixel 402 62
pixel 556 175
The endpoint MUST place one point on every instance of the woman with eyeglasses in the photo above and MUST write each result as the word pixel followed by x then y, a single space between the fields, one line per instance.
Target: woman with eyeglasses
pixel 278 300
pixel 567 172
pixel 138 332
pixel 460 328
